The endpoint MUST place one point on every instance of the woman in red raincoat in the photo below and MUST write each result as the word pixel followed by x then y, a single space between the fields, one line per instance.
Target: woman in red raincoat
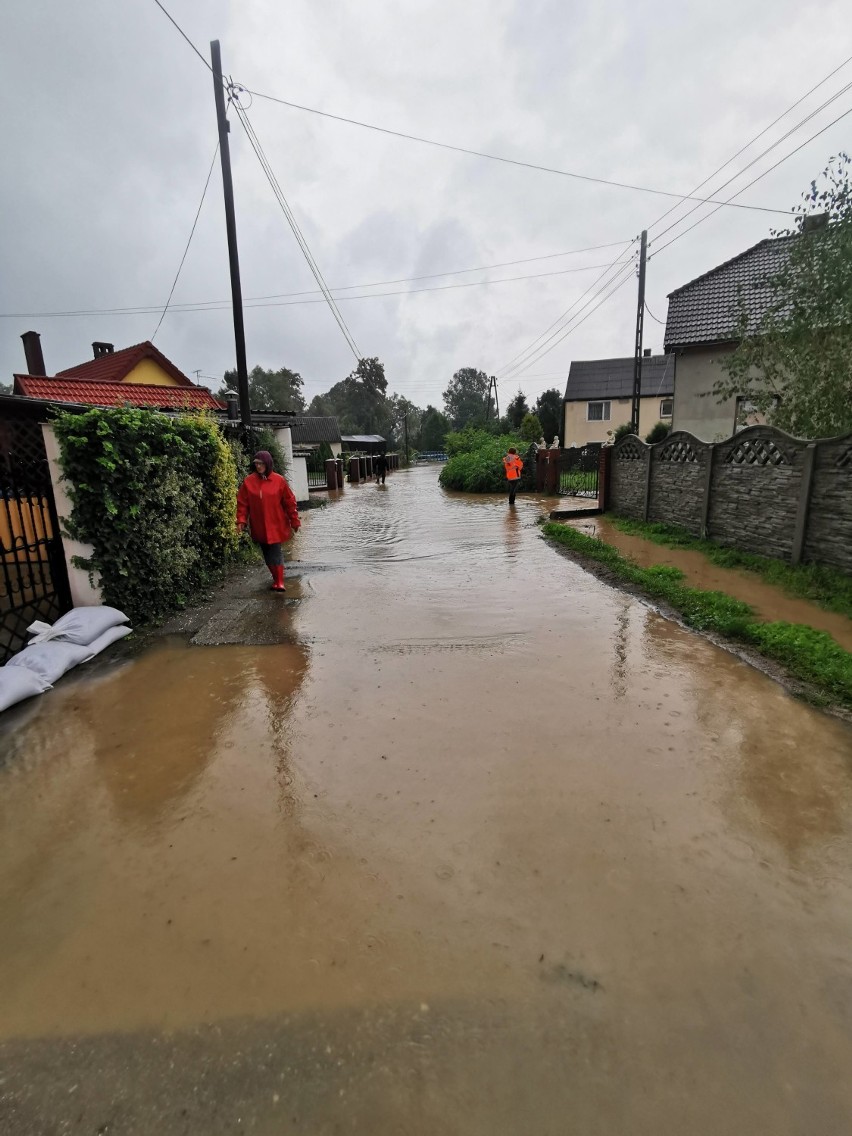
pixel 266 503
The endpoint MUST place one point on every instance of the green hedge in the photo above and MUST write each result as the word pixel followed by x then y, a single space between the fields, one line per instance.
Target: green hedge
pixel 475 464
pixel 155 497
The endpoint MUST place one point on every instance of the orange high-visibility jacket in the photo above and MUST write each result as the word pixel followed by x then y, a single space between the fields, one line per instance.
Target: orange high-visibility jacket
pixel 513 466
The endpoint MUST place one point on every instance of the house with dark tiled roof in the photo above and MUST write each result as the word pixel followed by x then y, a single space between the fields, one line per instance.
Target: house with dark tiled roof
pixel 599 397
pixel 133 376
pixel 703 326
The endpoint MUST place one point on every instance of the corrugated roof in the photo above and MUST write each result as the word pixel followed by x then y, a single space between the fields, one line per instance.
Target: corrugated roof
pixel 613 378
pixel 307 431
pixel 116 365
pixel 708 309
pixel 102 393
pixel 363 438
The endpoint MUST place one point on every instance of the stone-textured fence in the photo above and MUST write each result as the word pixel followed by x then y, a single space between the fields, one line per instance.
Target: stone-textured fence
pixel 761 491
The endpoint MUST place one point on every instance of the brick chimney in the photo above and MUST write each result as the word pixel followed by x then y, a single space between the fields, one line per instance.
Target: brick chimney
pixel 101 349
pixel 32 350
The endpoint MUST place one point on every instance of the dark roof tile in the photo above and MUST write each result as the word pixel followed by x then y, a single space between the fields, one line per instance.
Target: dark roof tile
pixel 613 378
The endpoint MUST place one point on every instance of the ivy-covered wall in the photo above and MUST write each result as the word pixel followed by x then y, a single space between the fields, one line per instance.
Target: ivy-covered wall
pixel 155 497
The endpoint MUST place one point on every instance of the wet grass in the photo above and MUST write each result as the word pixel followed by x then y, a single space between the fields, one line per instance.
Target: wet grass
pixel 806 654
pixel 828 587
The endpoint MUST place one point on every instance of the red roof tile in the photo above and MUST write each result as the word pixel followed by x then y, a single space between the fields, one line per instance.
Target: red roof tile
pixel 103 393
pixel 117 365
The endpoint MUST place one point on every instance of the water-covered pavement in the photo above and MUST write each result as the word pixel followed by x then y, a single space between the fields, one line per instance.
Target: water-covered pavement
pixel 475 844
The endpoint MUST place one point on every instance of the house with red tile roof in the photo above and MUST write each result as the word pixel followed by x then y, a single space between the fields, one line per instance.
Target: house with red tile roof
pixel 139 376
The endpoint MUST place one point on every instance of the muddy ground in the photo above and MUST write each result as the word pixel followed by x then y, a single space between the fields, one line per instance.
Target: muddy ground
pixel 456 839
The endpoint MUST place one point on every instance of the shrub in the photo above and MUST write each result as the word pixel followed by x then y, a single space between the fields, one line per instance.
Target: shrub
pixel 621 431
pixel 657 432
pixel 531 429
pixel 478 468
pixel 155 497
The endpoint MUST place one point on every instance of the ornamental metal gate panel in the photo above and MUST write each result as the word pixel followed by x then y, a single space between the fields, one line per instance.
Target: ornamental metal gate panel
pixel 578 471
pixel 33 577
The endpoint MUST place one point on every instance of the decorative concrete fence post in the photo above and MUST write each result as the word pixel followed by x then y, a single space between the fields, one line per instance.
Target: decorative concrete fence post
pixel 331 474
pixel 354 471
pixel 604 471
pixel 340 478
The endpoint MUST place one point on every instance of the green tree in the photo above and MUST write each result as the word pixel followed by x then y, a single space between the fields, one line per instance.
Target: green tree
pixel 517 410
pixel 464 398
pixel 434 428
pixel 796 365
pixel 269 390
pixel 548 407
pixel 6 388
pixel 531 428
pixel 359 402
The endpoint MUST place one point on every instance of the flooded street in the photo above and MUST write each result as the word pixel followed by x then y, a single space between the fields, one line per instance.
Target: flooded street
pixel 466 842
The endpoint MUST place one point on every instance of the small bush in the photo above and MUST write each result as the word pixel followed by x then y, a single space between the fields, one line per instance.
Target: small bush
pixel 657 432
pixel 477 468
pixel 621 431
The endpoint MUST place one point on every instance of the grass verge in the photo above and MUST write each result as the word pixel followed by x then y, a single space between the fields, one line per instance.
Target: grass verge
pixel 808 655
pixel 828 587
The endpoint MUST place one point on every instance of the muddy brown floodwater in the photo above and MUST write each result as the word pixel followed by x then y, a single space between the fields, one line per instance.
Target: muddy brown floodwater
pixel 479 845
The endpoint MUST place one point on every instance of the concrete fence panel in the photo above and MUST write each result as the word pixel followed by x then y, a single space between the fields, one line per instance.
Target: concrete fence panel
pixel 760 491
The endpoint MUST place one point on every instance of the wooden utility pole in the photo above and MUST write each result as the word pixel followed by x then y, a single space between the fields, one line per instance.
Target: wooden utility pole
pixel 640 320
pixel 406 438
pixel 231 226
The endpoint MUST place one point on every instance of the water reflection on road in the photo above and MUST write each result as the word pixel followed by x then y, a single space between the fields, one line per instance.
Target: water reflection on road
pixel 544 852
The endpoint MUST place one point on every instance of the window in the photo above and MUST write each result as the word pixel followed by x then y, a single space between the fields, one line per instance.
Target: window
pixel 597 412
pixel 666 407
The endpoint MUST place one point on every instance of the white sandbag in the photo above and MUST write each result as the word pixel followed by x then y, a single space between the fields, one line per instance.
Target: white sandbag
pixel 50 660
pixel 18 683
pixel 80 625
pixel 107 639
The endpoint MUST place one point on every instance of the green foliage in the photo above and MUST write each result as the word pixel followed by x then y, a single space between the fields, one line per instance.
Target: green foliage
pixel 476 464
pixel 434 427
pixel 548 407
pixel 269 390
pixel 810 655
pixel 264 439
pixel 516 411
pixel 155 497
pixel 531 428
pixel 828 587
pixel 464 398
pixel 657 432
pixel 796 365
pixel 621 431
pixel 359 402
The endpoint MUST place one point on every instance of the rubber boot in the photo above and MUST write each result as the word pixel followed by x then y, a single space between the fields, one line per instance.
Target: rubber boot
pixel 277 571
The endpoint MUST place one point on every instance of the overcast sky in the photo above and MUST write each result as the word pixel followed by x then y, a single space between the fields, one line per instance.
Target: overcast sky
pixel 109 131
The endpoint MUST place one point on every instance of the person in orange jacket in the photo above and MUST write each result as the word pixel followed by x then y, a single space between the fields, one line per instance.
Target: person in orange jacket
pixel 266 503
pixel 513 465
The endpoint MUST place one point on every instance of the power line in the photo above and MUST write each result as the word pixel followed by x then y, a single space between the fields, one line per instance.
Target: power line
pixel 515 363
pixel 185 36
pixel 503 159
pixel 258 301
pixel 653 317
pixel 754 161
pixel 294 225
pixel 188 243
pixel 751 141
pixel 758 178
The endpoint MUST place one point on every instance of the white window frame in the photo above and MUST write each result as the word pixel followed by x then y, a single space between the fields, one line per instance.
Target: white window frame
pixel 663 402
pixel 606 410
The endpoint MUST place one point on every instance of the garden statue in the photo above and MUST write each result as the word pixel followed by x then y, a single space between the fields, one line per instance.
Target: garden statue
pixel 554 445
pixel 541 444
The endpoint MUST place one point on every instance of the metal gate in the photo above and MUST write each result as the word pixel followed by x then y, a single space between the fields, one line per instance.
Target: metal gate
pixel 578 471
pixel 33 577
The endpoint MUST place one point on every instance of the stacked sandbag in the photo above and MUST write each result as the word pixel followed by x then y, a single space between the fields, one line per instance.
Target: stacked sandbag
pixel 75 638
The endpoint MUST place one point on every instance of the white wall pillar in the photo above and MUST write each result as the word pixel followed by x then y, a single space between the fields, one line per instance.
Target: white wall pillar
pixel 83 592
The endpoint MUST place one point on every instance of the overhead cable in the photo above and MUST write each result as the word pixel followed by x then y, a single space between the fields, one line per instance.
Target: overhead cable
pixel 780 161
pixel 760 134
pixel 183 33
pixel 503 158
pixel 188 243
pixel 294 225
